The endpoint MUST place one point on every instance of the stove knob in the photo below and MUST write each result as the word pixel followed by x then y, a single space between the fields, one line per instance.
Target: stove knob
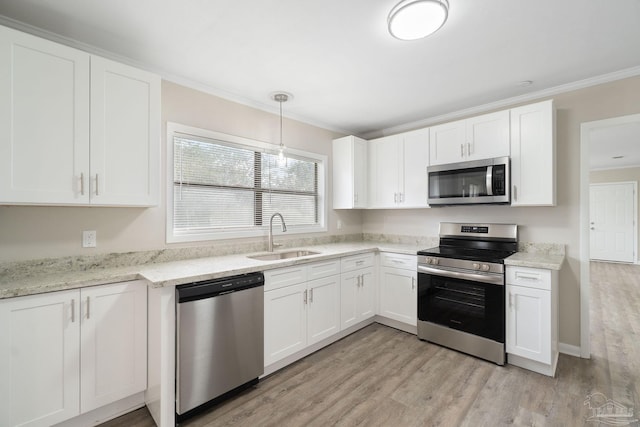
pixel 435 261
pixel 476 266
pixel 485 267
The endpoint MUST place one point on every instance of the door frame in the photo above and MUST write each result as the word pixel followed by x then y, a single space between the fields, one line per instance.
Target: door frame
pixel 634 184
pixel 585 239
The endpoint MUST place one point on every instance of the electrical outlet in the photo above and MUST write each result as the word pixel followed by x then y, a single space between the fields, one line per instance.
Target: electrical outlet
pixel 339 224
pixel 89 239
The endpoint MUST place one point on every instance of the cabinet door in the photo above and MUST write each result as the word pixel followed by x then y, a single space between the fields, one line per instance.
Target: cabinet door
pixel 447 143
pixel 414 174
pixel 323 315
pixel 44 121
pixel 360 173
pixel 125 135
pixel 285 322
pixel 114 343
pixel 349 286
pixel 366 301
pixel 349 158
pixel 533 160
pixel 385 193
pixel 529 323
pixel 39 349
pixel 487 136
pixel 398 298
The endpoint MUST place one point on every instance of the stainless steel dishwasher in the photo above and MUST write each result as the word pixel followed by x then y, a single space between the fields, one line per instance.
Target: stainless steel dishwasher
pixel 219 340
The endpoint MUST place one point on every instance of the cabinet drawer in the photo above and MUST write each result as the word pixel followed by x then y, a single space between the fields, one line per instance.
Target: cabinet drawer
pixel 529 277
pixel 407 262
pixel 323 269
pixel 355 262
pixel 281 277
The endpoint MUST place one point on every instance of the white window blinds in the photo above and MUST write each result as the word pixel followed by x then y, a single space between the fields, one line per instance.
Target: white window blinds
pixel 224 186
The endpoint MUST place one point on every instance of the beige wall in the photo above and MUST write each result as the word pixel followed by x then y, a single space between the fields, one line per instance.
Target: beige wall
pixel 29 232
pixel 618 175
pixel 558 224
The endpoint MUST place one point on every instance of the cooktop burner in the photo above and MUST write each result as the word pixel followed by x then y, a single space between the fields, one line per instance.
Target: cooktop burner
pixel 490 243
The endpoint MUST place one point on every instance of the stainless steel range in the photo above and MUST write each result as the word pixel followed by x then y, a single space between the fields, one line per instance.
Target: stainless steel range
pixel 461 292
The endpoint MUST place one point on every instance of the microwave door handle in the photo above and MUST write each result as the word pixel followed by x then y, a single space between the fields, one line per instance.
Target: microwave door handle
pixel 489 180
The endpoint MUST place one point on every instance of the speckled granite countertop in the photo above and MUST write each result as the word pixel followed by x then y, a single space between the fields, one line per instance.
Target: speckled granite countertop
pixel 43 279
pixel 42 276
pixel 536 260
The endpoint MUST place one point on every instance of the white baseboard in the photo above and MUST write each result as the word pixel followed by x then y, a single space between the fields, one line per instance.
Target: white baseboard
pixel 571 350
pixel 106 413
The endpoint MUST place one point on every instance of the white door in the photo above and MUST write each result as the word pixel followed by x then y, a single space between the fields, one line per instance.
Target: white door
pixel 612 221
pixel 349 286
pixel 114 343
pixel 285 322
pixel 387 162
pixel 398 298
pixel 416 160
pixel 39 352
pixel 360 173
pixel 488 136
pixel 44 121
pixel 323 315
pixel 529 323
pixel 366 303
pixel 125 135
pixel 447 143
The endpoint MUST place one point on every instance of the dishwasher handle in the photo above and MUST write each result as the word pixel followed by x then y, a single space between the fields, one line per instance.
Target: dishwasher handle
pixel 217 287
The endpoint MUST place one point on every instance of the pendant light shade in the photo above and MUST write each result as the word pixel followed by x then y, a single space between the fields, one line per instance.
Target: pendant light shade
pixel 415 19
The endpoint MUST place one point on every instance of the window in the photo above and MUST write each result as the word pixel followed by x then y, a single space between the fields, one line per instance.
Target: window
pixel 223 186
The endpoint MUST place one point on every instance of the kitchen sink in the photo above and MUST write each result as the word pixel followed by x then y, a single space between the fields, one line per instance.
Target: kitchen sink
pixel 272 256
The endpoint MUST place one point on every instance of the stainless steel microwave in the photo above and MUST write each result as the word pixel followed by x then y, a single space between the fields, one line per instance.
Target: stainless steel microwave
pixel 474 182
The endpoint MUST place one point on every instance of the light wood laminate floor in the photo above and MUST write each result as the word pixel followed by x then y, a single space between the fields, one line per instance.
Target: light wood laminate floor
pixel 380 376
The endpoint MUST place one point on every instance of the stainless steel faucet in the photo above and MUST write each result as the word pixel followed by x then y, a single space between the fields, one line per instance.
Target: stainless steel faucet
pixel 284 228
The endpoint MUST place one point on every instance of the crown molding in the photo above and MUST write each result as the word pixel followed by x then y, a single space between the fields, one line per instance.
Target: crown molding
pixel 480 109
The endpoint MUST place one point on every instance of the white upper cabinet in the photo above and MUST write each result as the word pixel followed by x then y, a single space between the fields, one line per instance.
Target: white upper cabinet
pixel 44 121
pixel 125 135
pixel 75 129
pixel 398 170
pixel 533 155
pixel 481 137
pixel 349 173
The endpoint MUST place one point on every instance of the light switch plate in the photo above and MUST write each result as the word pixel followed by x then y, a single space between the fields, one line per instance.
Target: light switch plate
pixel 89 239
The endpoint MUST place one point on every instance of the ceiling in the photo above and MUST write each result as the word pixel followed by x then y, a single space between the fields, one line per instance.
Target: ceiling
pixel 345 71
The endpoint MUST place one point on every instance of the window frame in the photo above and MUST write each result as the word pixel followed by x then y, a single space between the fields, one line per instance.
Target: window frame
pixel 237 233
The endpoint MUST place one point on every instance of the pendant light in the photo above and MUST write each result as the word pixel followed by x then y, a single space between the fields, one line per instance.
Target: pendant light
pixel 416 19
pixel 281 97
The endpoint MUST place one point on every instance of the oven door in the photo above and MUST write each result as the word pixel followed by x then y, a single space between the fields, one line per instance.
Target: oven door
pixel 467 305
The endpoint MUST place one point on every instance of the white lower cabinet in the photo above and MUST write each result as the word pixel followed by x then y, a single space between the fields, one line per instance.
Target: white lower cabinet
pixel 398 287
pixel 299 312
pixel 532 319
pixel 66 353
pixel 357 289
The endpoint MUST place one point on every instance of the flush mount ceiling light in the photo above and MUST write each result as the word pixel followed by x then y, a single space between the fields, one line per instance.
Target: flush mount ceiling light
pixel 415 19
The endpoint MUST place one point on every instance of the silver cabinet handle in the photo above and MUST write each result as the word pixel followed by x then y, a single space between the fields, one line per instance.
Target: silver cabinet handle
pixel 88 308
pixel 358 284
pixel 97 186
pixel 82 184
pixel 395 197
pixel 311 295
pixel 360 262
pixel 461 150
pixel 305 296
pixel 468 148
pixel 515 192
pixel 413 283
pixel 73 310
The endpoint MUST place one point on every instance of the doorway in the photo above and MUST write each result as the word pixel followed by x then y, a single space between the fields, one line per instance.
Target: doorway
pixel 612 221
pixel 597 136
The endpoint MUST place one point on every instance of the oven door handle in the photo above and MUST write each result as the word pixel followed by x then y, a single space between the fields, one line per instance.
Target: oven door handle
pixel 484 278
